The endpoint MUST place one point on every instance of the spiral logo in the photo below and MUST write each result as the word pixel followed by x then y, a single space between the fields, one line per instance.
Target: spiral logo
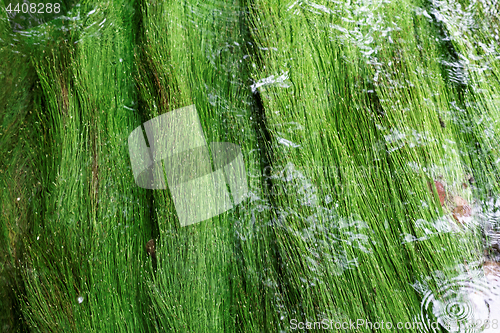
pixel 460 305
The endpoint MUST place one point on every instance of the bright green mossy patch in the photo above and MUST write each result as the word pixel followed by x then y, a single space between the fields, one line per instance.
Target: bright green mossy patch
pixel 365 131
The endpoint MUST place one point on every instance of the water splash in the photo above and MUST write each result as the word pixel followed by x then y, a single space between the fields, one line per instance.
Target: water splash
pixel 466 303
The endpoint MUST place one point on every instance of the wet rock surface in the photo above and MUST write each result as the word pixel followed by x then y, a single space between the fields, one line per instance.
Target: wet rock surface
pixel 462 211
pixel 150 248
pixel 441 191
pixel 439 187
pixel 459 207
